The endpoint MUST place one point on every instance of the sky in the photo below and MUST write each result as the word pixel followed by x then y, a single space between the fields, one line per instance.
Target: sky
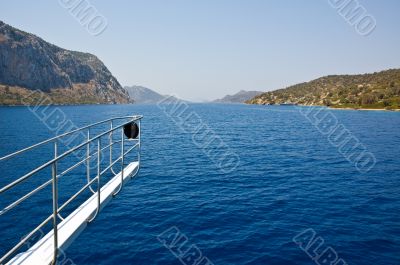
pixel 205 49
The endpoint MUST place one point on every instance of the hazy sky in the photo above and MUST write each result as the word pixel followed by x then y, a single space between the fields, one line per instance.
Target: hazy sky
pixel 205 49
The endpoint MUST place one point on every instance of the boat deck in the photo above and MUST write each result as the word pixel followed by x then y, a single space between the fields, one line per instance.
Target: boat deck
pixel 74 224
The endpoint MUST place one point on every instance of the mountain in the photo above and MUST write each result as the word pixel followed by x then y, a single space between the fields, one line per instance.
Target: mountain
pixel 373 91
pixel 29 63
pixel 239 97
pixel 145 95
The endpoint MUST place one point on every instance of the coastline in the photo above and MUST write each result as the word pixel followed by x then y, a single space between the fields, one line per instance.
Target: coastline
pixel 67 104
pixel 348 108
pixel 364 109
pixel 333 108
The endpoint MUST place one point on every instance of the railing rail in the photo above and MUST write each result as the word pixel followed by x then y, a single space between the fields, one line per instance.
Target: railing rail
pixel 53 163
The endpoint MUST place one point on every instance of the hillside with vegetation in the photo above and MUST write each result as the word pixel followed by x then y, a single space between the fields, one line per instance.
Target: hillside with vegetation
pixel 379 90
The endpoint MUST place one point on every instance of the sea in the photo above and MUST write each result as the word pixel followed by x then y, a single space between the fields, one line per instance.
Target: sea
pixel 225 184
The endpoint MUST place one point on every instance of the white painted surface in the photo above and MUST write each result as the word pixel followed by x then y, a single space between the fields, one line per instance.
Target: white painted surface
pixel 70 228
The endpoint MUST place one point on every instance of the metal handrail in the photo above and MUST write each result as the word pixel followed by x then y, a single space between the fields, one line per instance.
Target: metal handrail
pixel 55 176
pixel 137 117
pixel 44 185
pixel 26 176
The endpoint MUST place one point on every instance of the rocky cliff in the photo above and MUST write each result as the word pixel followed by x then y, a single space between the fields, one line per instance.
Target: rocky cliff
pixel 27 62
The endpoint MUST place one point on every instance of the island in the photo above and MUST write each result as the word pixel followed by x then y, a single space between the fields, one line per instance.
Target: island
pixel 379 90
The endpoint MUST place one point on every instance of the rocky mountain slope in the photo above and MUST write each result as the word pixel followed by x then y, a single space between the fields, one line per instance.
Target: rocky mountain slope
pixel 29 63
pixel 376 90
pixel 239 97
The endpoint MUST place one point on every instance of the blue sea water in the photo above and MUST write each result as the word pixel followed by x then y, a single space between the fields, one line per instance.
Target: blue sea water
pixel 290 178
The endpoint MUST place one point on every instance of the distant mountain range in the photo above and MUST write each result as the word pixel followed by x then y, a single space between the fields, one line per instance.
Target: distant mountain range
pixel 146 95
pixel 29 63
pixel 239 97
pixel 379 90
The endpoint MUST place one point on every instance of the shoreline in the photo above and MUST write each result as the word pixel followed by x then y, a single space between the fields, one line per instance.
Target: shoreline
pixel 349 108
pixel 333 108
pixel 61 104
pixel 364 109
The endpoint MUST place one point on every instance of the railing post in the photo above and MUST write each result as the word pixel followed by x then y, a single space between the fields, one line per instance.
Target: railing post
pixel 98 172
pixel 140 140
pixel 87 156
pixel 88 161
pixel 139 147
pixel 111 139
pixel 55 205
pixel 122 163
pixel 122 155
pixel 111 147
pixel 98 181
